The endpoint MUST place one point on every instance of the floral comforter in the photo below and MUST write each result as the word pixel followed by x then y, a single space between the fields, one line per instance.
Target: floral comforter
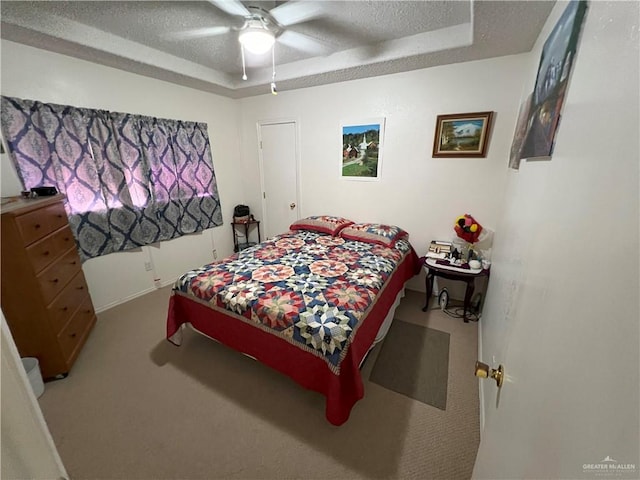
pixel 309 288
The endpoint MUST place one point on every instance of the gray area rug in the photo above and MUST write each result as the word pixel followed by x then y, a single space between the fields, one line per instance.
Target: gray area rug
pixel 414 361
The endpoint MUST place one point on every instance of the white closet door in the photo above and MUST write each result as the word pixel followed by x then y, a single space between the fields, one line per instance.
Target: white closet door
pixel 279 170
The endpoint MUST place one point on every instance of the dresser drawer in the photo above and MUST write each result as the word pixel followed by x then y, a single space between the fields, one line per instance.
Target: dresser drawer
pixel 47 249
pixel 74 333
pixel 35 225
pixel 56 276
pixel 66 304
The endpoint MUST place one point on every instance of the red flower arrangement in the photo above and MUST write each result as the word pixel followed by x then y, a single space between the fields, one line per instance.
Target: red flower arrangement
pixel 467 228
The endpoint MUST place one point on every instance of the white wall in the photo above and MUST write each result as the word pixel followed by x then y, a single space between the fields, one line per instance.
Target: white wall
pixel 421 194
pixel 48 77
pixel 562 307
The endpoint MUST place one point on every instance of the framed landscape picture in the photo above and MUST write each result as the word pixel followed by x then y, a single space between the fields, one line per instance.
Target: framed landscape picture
pixel 462 134
pixel 362 149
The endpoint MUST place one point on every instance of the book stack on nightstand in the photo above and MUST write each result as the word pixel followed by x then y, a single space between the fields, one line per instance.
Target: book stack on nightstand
pixel 439 249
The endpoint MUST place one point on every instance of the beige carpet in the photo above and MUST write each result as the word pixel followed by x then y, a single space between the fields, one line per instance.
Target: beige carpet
pixel 136 407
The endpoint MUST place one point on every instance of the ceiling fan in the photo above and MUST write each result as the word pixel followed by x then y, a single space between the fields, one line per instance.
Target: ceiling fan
pixel 261 28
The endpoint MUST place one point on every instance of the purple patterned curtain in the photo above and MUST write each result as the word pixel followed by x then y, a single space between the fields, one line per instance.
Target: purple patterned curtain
pixel 129 180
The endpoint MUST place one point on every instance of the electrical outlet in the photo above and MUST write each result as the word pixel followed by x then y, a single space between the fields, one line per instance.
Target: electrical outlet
pixel 147 266
pixel 157 282
pixel 215 254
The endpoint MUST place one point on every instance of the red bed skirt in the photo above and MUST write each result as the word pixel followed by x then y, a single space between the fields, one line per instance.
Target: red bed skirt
pixel 342 390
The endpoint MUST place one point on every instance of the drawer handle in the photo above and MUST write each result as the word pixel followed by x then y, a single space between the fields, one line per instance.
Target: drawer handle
pixel 81 287
pixel 64 309
pixel 73 335
pixel 73 263
pixel 55 280
pixel 59 215
pixel 45 253
pixel 89 310
pixel 36 226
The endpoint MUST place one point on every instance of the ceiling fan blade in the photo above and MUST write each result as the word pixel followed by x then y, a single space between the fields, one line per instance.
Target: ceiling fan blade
pixel 199 33
pixel 232 7
pixel 295 12
pixel 303 42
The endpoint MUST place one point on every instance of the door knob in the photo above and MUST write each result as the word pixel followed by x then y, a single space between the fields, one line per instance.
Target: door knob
pixel 483 371
pixel 292 206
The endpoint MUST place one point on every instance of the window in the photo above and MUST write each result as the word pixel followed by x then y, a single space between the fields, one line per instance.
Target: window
pixel 129 180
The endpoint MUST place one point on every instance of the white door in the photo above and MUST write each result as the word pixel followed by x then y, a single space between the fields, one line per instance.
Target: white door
pixel 279 170
pixel 562 306
pixel 27 448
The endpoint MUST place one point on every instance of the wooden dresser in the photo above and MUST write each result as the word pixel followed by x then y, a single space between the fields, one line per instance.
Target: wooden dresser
pixel 45 298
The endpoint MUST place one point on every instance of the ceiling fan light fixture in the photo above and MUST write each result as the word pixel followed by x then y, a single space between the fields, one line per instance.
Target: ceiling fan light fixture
pixel 257 39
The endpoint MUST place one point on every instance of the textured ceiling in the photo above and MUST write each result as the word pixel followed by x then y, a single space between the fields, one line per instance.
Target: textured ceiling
pixel 343 41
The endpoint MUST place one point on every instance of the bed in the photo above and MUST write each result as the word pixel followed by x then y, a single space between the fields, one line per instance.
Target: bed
pixel 309 303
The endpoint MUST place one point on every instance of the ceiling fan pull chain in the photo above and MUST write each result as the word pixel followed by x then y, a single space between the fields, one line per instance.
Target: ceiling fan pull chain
pixel 244 72
pixel 273 66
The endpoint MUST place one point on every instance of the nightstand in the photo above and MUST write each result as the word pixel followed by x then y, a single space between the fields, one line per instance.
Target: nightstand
pixel 246 228
pixel 441 268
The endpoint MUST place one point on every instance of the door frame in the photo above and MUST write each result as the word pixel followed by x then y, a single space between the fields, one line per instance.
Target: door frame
pixel 263 200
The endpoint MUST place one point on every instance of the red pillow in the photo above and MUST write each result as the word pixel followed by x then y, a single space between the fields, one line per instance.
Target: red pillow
pixel 321 223
pixel 380 234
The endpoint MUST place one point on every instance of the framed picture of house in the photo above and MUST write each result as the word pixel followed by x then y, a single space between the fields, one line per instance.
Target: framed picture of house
pixel 362 143
pixel 462 134
pixel 552 80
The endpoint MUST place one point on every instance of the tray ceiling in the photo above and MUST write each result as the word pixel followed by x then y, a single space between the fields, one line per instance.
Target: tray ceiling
pixel 343 40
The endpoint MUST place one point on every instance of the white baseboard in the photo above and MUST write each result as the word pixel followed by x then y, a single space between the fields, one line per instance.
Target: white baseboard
pixel 120 301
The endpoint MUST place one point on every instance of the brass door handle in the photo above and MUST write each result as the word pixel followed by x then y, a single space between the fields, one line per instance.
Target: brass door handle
pixel 483 371
pixel 292 206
